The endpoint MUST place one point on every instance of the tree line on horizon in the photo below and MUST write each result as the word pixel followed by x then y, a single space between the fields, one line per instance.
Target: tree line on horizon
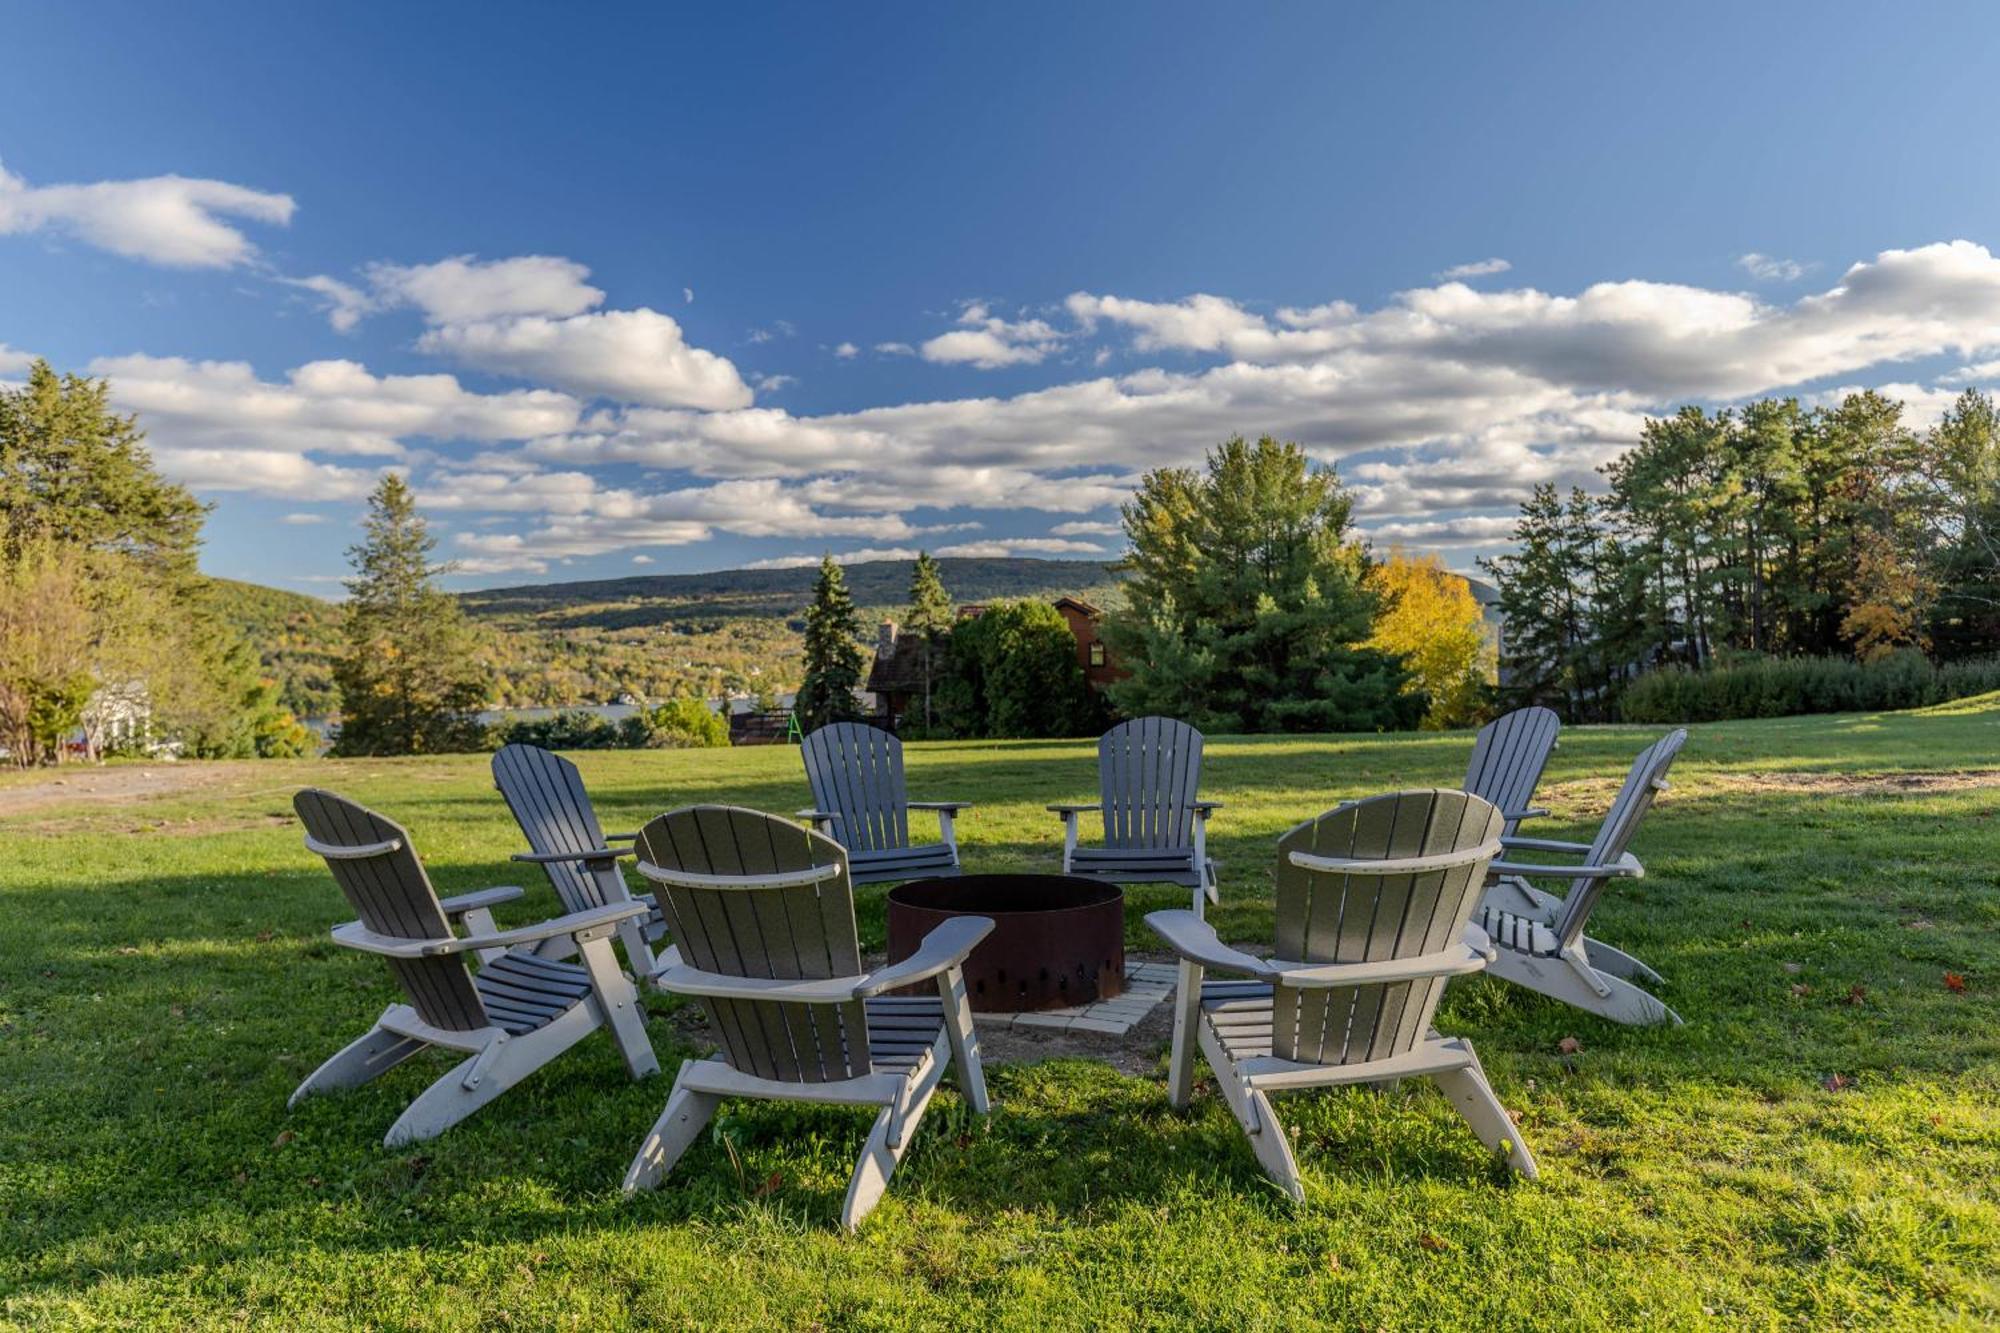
pixel 1729 540
pixel 1250 605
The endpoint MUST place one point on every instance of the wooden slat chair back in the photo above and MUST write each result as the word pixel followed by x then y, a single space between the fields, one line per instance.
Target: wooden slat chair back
pixel 1334 917
pixel 1373 907
pixel 1149 776
pixel 517 1013
pixel 547 796
pixel 1644 781
pixel 1541 937
pixel 856 771
pixel 762 913
pixel 803 932
pixel 550 803
pixel 1155 822
pixel 1508 757
pixel 391 895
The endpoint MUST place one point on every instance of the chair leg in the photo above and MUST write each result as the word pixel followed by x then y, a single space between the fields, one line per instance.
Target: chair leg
pixel 1187 1013
pixel 1617 963
pixel 687 1113
pixel 964 1039
pixel 1473 1096
pixel 362 1059
pixel 477 1081
pixel 894 1130
pixel 1252 1109
pixel 1575 982
pixel 619 1000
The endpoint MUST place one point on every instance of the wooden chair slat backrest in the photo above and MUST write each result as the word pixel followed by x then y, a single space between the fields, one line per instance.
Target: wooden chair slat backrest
pixel 1508 757
pixel 1644 781
pixel 391 895
pixel 856 772
pixel 547 796
pixel 1148 777
pixel 1334 917
pixel 795 933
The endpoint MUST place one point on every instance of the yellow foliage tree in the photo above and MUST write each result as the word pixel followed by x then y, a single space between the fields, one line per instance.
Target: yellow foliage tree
pixel 1430 617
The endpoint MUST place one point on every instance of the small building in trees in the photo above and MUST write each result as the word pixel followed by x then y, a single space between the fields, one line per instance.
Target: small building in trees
pixel 1092 653
pixel 896 677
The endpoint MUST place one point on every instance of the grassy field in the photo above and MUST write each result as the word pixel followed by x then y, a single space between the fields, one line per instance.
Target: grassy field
pixel 1818 1147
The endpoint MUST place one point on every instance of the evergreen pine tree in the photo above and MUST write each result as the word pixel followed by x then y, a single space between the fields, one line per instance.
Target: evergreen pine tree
pixel 833 657
pixel 930 617
pixel 411 682
pixel 1247 607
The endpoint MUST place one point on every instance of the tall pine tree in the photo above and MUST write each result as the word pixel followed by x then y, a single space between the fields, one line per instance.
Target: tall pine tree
pixel 930 618
pixel 833 657
pixel 412 681
pixel 1247 607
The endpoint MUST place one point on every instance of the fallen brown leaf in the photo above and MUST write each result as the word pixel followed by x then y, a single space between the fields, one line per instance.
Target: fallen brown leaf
pixel 1800 989
pixel 770 1185
pixel 284 1136
pixel 1835 1082
pixel 1569 1046
pixel 1431 1242
pixel 1857 995
pixel 1954 983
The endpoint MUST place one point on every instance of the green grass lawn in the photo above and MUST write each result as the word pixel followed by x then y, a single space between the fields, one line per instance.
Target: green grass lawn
pixel 166 980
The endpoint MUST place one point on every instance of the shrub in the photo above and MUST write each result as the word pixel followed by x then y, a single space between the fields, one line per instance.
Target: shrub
pixel 1790 686
pixel 678 724
pixel 572 729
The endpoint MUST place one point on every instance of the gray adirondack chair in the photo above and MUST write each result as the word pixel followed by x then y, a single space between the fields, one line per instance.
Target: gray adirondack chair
pixel 859 799
pixel 1374 900
pixel 762 916
pixel 547 796
pixel 1508 757
pixel 1155 822
pixel 1540 938
pixel 513 1015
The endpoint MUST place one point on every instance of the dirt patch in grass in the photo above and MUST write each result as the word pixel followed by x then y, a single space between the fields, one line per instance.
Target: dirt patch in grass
pixel 117 784
pixel 1596 794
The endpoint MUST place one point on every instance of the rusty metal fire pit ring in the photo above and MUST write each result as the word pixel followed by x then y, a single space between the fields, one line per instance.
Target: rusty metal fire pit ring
pixel 1057 940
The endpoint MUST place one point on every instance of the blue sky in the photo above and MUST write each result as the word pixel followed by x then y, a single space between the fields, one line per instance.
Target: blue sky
pixel 641 290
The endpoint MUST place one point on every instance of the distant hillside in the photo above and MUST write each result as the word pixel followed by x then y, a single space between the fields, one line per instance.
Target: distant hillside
pixel 298 638
pixel 877 585
pixel 559 644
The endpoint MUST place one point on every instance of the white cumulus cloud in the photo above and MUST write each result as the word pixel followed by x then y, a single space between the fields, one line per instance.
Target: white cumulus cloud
pixel 177 221
pixel 1478 269
pixel 634 356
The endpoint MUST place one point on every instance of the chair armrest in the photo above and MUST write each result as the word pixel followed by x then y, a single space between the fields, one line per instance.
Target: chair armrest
pixel 1074 808
pixel 586 856
pixel 1626 865
pixel 1451 961
pixel 940 805
pixel 575 923
pixel 1204 808
pixel 679 978
pixel 1545 844
pixel 621 837
pixel 1196 941
pixel 945 947
pixel 1515 816
pixel 817 816
pixel 468 902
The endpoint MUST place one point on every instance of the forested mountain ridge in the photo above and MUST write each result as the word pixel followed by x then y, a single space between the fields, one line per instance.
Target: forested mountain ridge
pixel 559 644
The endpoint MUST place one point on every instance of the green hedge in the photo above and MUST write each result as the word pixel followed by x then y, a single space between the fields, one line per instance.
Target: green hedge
pixel 1788 686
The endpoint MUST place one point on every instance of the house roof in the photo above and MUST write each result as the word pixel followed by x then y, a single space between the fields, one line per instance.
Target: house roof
pixel 901 670
pixel 1080 605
